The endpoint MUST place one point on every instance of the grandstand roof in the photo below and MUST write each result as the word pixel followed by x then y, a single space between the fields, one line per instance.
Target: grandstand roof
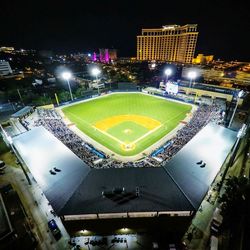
pixel 157 192
pixel 22 112
pixel 211 145
pixel 41 151
pixel 178 186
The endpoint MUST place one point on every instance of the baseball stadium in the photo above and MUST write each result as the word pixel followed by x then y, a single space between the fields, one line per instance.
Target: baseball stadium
pixel 122 155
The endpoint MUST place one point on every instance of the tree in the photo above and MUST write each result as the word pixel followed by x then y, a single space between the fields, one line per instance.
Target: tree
pixel 42 100
pixel 64 96
pixel 233 199
pixel 79 92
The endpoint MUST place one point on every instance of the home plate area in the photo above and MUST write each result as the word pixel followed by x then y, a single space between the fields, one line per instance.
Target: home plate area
pixel 127 129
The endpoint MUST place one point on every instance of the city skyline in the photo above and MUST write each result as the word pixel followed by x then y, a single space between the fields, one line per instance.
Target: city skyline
pixel 75 27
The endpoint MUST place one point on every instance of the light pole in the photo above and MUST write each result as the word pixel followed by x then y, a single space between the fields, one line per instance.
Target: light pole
pixel 239 95
pixel 66 76
pixel 167 72
pixel 191 75
pixel 96 72
pixel 18 91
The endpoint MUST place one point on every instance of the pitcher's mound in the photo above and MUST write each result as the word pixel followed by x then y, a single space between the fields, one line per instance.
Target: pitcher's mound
pixel 127 131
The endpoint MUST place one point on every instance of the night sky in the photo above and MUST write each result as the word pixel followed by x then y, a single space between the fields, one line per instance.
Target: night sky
pixel 70 26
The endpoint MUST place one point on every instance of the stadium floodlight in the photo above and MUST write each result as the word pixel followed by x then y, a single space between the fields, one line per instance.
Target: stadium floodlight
pixel 168 72
pixel 67 76
pixel 191 75
pixel 96 72
pixel 239 95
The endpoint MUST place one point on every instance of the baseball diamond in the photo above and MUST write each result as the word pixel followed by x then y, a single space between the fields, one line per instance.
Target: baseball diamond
pixel 127 123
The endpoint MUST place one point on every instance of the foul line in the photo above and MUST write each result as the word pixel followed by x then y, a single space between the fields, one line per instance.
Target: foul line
pixel 153 130
pixel 121 142
pixel 105 133
pixel 148 133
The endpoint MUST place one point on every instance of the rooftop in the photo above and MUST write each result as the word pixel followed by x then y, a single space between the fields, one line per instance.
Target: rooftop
pixel 77 190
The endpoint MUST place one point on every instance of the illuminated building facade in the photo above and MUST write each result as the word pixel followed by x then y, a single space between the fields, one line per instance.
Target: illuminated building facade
pixel 104 55
pixel 203 59
pixel 172 43
pixel 107 55
pixel 5 68
pixel 7 49
pixel 113 54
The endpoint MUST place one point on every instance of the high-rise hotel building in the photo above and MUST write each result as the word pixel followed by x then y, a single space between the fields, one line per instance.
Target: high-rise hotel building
pixel 172 43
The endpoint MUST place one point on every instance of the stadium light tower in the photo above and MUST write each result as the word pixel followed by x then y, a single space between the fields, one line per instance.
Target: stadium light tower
pixel 239 95
pixel 167 72
pixel 191 75
pixel 96 72
pixel 66 76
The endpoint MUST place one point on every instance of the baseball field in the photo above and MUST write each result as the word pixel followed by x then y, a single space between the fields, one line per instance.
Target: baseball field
pixel 127 123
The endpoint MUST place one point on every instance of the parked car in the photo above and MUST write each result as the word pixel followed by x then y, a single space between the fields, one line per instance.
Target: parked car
pixel 213 243
pixel 54 229
pixel 216 221
pixel 2 165
pixel 172 247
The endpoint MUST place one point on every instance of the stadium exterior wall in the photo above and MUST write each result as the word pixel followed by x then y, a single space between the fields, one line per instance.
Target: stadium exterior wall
pixel 125 215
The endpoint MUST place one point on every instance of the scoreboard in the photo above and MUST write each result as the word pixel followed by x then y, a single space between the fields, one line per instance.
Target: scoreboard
pixel 171 88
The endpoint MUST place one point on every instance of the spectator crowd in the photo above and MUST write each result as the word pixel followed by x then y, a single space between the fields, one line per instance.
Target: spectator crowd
pixel 53 122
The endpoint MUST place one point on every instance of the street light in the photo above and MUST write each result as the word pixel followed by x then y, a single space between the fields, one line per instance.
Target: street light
pixel 191 75
pixel 239 95
pixel 66 76
pixel 168 72
pixel 96 72
pixel 153 66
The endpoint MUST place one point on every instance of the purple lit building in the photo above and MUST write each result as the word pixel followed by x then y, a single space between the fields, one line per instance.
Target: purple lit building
pixel 94 57
pixel 107 55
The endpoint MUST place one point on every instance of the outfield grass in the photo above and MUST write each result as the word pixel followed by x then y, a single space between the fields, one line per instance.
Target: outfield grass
pixel 158 117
